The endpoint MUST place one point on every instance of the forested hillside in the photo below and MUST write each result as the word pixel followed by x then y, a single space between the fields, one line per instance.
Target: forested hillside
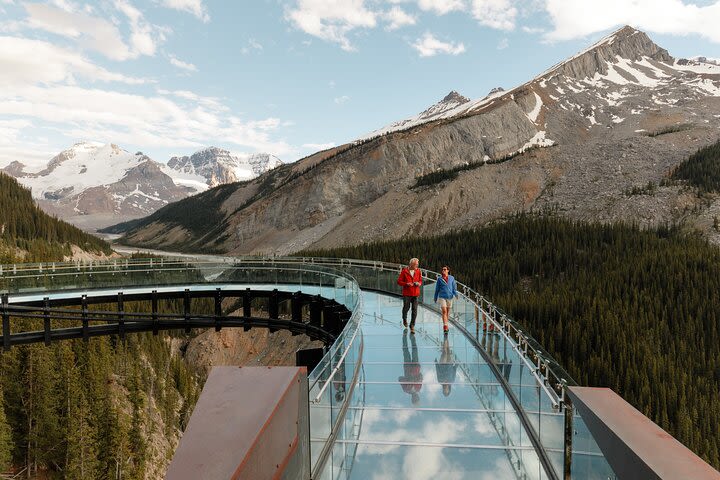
pixel 636 311
pixel 84 410
pixel 702 169
pixel 29 234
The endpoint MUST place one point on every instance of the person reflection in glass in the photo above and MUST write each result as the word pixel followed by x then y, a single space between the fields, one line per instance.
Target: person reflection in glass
pixel 411 381
pixel 446 368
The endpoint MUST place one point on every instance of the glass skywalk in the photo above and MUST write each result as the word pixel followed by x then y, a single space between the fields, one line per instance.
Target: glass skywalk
pixel 419 421
pixel 385 403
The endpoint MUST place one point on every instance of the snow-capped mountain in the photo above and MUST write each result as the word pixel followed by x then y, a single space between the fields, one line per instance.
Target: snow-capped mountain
pixel 93 184
pixel 620 114
pixel 625 67
pixel 449 103
pixel 218 166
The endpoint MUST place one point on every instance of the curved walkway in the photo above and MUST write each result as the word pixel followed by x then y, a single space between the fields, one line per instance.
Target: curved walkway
pixel 429 406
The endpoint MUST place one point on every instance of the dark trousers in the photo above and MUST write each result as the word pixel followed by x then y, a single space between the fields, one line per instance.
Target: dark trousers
pixel 407 303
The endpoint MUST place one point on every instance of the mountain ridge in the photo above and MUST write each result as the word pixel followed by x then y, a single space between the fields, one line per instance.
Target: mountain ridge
pixel 92 184
pixel 574 143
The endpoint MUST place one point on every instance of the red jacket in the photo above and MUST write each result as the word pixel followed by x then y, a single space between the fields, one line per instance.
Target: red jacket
pixel 406 280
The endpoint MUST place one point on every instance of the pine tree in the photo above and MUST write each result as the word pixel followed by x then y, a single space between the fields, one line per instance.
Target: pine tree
pixel 6 444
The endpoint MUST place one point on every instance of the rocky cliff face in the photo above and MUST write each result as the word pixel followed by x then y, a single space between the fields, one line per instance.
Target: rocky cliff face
pixel 575 139
pixel 219 166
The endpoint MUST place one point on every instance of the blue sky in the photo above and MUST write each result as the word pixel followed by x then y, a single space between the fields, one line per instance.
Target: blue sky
pixel 286 77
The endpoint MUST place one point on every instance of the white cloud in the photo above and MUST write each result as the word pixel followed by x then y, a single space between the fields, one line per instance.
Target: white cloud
pixel 182 65
pixel 25 62
pixel 151 121
pixel 211 103
pixel 533 30
pixel 441 7
pixel 144 37
pixel 90 32
pixel 251 46
pixel 341 100
pixel 503 44
pixel 429 46
pixel 195 7
pixel 396 18
pixel 96 33
pixel 498 14
pixel 677 17
pixel 332 20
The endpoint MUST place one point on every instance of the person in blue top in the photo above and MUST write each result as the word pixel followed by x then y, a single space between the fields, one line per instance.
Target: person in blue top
pixel 445 291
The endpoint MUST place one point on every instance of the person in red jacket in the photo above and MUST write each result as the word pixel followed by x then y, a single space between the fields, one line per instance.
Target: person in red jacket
pixel 410 280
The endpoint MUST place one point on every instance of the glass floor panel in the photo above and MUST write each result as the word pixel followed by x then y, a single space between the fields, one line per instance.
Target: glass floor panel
pixel 394 461
pixel 443 427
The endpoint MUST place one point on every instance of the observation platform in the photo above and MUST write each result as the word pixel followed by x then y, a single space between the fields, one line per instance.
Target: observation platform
pixel 483 401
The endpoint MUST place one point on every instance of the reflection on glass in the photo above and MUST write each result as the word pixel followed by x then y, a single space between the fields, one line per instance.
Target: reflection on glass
pixel 339 380
pixel 446 368
pixel 411 381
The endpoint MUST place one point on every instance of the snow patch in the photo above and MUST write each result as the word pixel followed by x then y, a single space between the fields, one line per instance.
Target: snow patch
pixel 707 85
pixel 533 115
pixel 538 140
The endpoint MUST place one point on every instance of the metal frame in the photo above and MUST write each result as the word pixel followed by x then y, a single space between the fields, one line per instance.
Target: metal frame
pixel 327 317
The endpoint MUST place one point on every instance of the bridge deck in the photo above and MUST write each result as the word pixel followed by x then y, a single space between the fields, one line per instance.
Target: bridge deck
pixel 467 429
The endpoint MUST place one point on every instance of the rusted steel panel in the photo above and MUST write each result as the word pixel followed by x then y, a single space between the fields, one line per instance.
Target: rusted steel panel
pixel 633 445
pixel 247 424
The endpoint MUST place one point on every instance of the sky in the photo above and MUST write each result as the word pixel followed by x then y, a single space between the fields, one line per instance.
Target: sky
pixel 169 77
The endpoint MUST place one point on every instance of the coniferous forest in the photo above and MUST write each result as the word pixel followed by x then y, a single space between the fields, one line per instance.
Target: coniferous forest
pixel 100 409
pixel 37 235
pixel 636 311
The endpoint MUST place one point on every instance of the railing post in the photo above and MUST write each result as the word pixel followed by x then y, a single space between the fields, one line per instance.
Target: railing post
pixel 296 307
pixel 121 315
pixel 247 299
pixel 5 321
pixel 218 309
pixel 46 320
pixel 84 306
pixel 316 311
pixel 186 309
pixel 567 453
pixel 273 304
pixel 154 302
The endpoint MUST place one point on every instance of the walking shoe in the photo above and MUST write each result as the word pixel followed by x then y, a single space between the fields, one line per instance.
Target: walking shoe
pixel 445 328
pixel 412 330
pixel 404 323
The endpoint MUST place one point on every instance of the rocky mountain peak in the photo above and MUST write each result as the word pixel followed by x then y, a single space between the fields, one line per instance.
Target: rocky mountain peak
pixel 454 97
pixel 219 166
pixel 15 169
pixel 627 43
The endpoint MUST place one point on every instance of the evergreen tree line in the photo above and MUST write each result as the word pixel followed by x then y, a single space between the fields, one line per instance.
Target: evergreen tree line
pixel 24 226
pixel 701 170
pixel 80 410
pixel 452 173
pixel 618 307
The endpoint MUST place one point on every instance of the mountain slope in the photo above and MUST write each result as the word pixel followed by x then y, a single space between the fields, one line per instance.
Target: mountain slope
pixel 29 234
pixel 575 139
